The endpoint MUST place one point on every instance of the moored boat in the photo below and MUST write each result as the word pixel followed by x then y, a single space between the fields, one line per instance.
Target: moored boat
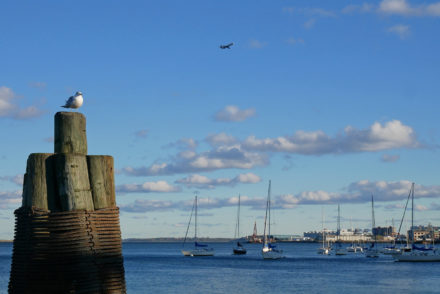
pixel 269 251
pixel 199 249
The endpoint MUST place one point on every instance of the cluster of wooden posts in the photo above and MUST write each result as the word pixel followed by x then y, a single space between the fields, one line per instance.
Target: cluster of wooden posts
pixel 68 219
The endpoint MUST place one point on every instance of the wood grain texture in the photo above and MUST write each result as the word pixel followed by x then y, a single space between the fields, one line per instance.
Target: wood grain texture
pixel 70 133
pixel 102 180
pixel 73 182
pixel 39 188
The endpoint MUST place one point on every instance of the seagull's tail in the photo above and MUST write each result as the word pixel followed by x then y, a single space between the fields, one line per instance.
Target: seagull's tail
pixel 65 106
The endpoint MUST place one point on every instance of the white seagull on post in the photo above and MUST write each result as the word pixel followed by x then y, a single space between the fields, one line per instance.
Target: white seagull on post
pixel 74 101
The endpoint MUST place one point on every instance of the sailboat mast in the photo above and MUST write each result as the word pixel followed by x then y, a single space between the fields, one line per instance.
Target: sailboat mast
pixel 238 217
pixel 339 222
pixel 265 217
pixel 269 208
pixel 412 214
pixel 195 222
pixel 373 223
pixel 323 238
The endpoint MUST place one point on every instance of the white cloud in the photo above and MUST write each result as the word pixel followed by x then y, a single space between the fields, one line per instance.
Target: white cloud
pixel 223 157
pixel 403 31
pixel 10 199
pixel 184 143
pixel 220 139
pixel 203 182
pixel 147 187
pixel 9 106
pixel 17 179
pixel 393 194
pixel 403 7
pixel 233 113
pixel 390 135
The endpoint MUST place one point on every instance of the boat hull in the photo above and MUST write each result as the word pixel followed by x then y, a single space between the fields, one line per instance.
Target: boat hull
pixel 324 251
pixel 198 252
pixel 417 257
pixel 372 253
pixel 272 254
pixel 239 251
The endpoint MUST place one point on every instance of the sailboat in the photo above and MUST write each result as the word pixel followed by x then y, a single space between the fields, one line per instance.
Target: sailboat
pixel 254 238
pixel 416 253
pixel 392 249
pixel 239 249
pixel 269 251
pixel 199 249
pixel 325 250
pixel 372 251
pixel 339 249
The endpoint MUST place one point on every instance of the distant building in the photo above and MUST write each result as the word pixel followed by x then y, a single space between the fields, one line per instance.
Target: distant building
pixel 424 233
pixel 384 231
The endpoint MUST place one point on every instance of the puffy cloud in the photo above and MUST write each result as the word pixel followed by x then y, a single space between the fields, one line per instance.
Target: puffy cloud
pixel 402 31
pixel 224 157
pixel 358 192
pixel 233 113
pixel 377 137
pixel 9 107
pixel 9 199
pixel 184 143
pixel 202 182
pixel 146 205
pixel 147 187
pixel 17 179
pixel 220 139
pixel 403 7
pixel 390 158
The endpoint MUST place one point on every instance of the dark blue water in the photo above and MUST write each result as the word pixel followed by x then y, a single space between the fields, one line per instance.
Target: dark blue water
pixel 161 268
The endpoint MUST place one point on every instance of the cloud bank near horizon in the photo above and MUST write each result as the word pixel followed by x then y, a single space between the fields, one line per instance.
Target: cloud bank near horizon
pixel 356 193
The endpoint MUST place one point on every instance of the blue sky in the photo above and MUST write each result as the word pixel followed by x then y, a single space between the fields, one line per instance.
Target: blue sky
pixel 331 100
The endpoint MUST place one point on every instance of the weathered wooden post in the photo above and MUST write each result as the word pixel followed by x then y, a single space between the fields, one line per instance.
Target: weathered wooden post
pixel 67 234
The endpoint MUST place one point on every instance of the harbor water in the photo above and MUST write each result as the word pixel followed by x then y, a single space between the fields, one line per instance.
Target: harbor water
pixel 161 268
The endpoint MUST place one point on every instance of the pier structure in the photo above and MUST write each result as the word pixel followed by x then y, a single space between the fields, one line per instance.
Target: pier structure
pixel 67 233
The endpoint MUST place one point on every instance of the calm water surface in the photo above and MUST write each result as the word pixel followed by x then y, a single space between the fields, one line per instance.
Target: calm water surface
pixel 161 268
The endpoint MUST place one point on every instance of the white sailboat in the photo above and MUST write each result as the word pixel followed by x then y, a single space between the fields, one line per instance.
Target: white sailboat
pixel 199 249
pixel 325 250
pixel 239 248
pixel 415 253
pixel 269 251
pixel 372 251
pixel 339 250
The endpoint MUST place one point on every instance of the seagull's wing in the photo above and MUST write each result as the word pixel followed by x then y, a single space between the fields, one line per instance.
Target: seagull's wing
pixel 69 102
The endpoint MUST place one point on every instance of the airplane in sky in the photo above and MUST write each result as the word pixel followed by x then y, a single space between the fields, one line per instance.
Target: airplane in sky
pixel 226 46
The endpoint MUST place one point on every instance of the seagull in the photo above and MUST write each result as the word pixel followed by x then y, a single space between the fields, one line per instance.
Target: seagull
pixel 228 46
pixel 74 101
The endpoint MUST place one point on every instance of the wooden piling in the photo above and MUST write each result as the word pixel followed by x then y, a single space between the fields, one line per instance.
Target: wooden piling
pixel 102 180
pixel 39 186
pixel 67 229
pixel 73 182
pixel 70 133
